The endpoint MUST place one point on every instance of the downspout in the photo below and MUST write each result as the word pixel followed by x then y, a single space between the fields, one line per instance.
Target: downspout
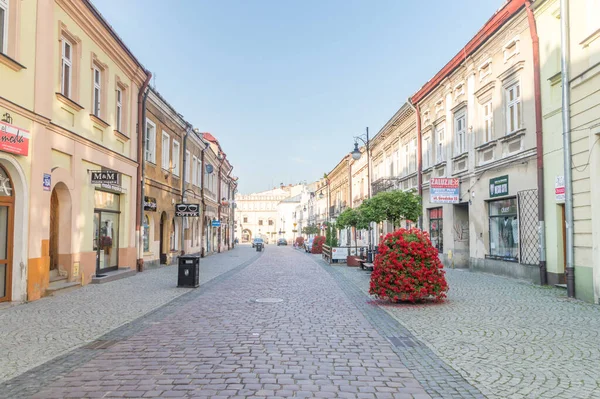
pixel 185 137
pixel 219 236
pixel 419 157
pixel 203 201
pixel 566 122
pixel 141 155
pixel 539 140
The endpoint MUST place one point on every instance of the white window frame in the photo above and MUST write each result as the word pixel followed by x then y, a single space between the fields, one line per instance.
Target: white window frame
pixel 186 167
pixel 518 107
pixel 460 135
pixel 406 159
pixel 511 49
pixel 485 69
pixel 488 122
pixel 440 132
pixel 427 152
pixel 97 93
pixel 4 42
pixel 195 170
pixel 199 172
pixel 175 156
pixel 165 159
pixel 413 156
pixel 66 62
pixel 119 111
pixel 150 142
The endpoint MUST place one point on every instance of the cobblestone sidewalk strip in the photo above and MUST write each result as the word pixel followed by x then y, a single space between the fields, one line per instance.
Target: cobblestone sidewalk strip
pixel 438 378
pixel 508 338
pixel 227 343
pixel 34 333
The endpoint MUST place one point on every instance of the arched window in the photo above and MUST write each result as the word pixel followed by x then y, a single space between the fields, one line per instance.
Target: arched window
pixel 146 234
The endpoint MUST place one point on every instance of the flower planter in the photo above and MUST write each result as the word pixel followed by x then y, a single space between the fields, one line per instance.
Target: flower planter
pixel 352 261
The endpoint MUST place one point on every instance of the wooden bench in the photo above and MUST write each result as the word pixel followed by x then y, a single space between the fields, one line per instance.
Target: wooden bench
pixel 365 265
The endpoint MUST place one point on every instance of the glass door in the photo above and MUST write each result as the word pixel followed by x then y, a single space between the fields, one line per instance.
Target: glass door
pixel 5 249
pixel 106 240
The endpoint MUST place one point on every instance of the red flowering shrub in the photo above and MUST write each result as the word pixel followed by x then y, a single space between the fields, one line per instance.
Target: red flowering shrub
pixel 317 247
pixel 299 241
pixel 407 268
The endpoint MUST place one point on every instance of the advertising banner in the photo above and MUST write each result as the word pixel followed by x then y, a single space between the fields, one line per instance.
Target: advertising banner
pixel 444 190
pixel 187 210
pixel 13 139
pixel 559 189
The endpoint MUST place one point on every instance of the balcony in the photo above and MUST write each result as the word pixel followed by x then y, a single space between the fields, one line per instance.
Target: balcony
pixel 386 184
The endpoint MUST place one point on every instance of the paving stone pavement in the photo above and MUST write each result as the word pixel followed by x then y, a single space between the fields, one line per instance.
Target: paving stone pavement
pixel 508 338
pixel 278 327
pixel 36 332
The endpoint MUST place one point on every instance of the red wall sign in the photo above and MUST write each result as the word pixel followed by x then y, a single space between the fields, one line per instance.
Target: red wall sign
pixel 13 139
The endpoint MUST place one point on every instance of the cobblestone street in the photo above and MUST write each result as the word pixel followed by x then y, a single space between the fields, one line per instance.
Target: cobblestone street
pixel 508 338
pixel 36 332
pixel 285 324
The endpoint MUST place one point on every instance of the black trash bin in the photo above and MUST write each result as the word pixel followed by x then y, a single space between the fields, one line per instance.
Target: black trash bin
pixel 189 272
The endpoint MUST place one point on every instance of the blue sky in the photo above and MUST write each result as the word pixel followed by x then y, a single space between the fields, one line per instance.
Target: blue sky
pixel 285 85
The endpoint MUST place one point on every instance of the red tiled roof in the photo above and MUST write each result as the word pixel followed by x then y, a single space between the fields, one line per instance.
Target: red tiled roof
pixel 210 137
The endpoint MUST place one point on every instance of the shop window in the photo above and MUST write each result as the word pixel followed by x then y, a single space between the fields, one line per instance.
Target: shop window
pixel 146 234
pixel 436 228
pixel 504 229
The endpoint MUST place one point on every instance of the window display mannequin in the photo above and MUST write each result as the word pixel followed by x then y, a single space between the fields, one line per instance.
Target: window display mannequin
pixel 507 237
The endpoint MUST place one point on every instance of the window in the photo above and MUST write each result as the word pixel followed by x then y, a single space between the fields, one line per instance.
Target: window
pixel 186 168
pixel 199 172
pixel 488 119
pixel 245 219
pixel 3 26
pixel 436 228
pixel 413 155
pixel 175 158
pixel 460 132
pixel 260 222
pixel 485 69
pixel 146 234
pixel 270 222
pixel 165 150
pixel 67 68
pixel 511 49
pixel 195 171
pixel 513 108
pixel 504 229
pixel 150 142
pixel 439 106
pixel 439 133
pixel 97 91
pixel 406 158
pixel 427 149
pixel 119 115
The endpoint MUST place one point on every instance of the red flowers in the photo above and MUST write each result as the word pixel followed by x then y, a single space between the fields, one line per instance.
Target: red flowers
pixel 407 268
pixel 317 247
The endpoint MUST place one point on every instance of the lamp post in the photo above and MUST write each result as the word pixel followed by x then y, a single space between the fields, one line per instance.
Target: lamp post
pixel 356 154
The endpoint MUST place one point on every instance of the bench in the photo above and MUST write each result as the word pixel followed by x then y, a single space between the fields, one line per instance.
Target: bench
pixel 365 265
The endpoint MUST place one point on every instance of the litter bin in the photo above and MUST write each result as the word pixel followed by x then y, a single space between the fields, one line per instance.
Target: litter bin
pixel 189 272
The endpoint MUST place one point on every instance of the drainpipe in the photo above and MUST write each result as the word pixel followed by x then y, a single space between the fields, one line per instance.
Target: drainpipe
pixel 219 205
pixel 202 195
pixel 185 137
pixel 566 122
pixel 419 157
pixel 141 155
pixel 539 140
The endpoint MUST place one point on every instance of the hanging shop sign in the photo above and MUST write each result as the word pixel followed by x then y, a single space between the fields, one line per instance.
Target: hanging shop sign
pixel 47 182
pixel 209 168
pixel 150 204
pixel 216 223
pixel 105 177
pixel 444 190
pixel 559 189
pixel 187 210
pixel 13 139
pixel 499 186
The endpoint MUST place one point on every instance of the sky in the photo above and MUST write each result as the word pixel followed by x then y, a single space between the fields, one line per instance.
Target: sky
pixel 286 85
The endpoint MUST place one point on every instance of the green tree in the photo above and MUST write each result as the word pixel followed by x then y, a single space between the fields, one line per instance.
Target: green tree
pixel 310 230
pixel 331 235
pixel 350 218
pixel 393 206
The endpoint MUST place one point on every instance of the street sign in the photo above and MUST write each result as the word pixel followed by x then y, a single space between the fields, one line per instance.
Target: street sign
pixel 47 182
pixel 216 223
pixel 105 177
pixel 187 210
pixel 499 186
pixel 209 168
pixel 559 189
pixel 444 190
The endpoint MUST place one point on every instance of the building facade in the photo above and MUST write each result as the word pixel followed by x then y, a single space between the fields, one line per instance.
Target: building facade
pixel 257 214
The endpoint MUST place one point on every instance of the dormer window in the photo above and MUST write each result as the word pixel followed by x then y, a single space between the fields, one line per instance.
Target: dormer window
pixel 511 49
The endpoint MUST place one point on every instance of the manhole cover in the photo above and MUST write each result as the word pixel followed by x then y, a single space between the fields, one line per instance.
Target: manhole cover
pixel 268 300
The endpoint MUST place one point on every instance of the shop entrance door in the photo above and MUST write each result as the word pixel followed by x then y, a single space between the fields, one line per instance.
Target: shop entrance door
pixel 106 240
pixel 6 235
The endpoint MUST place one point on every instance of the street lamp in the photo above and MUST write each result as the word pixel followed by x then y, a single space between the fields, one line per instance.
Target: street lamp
pixel 356 154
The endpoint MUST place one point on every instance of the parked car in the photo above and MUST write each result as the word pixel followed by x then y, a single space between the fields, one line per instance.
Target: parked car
pixel 308 245
pixel 257 240
pixel 281 241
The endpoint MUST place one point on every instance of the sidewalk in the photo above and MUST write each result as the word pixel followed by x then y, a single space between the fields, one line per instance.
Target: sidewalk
pixel 33 333
pixel 508 338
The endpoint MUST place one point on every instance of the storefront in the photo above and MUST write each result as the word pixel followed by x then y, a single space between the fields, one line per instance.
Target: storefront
pixel 7 203
pixel 106 231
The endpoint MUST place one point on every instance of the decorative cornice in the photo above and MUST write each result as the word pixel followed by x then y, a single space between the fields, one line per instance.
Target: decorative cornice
pixel 12 64
pixel 16 108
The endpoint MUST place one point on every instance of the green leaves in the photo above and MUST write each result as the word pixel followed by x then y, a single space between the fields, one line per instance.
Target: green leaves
pixel 393 206
pixel 309 230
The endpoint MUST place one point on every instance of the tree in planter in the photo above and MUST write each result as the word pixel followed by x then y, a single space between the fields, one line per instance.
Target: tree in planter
pixel 351 218
pixel 407 268
pixel 394 206
pixel 331 235
pixel 310 230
